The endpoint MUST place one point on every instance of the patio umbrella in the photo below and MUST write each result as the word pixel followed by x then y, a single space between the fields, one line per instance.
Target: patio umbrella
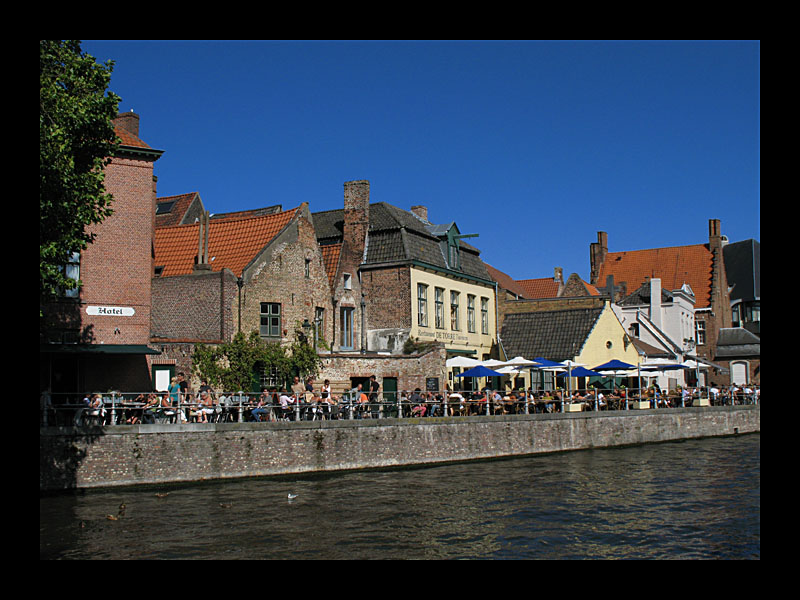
pixel 479 371
pixel 580 372
pixel 519 361
pixel 543 363
pixel 462 361
pixel 492 363
pixel 614 365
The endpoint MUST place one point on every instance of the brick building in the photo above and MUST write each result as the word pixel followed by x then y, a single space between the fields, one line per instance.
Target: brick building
pixel 396 276
pixel 96 338
pixel 701 266
pixel 258 270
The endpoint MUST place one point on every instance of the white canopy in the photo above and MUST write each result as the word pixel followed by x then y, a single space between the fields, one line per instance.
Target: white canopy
pixel 462 361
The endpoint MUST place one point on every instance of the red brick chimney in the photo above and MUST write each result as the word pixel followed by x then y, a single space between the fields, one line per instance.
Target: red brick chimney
pixel 597 255
pixel 356 215
pixel 129 121
pixel 420 211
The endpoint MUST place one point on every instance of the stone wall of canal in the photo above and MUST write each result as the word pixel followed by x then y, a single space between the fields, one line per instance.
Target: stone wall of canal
pixel 73 458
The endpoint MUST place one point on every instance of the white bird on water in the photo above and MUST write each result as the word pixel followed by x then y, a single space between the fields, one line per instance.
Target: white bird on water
pixel 292 496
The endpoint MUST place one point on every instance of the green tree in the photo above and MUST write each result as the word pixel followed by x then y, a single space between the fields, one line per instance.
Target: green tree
pixel 234 365
pixel 76 141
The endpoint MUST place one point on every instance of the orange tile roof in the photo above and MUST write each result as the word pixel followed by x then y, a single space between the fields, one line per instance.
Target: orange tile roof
pixel 232 244
pixel 546 287
pixel 674 266
pixel 593 291
pixel 128 139
pixel 505 281
pixel 174 216
pixel 330 258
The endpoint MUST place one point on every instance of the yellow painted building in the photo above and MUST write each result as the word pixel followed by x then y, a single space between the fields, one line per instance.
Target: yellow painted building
pixel 588 336
pixel 455 311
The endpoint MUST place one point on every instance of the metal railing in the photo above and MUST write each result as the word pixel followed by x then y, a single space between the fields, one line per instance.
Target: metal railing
pixel 115 408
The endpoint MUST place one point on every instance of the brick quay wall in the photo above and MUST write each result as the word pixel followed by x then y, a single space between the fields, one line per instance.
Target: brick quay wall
pixel 75 458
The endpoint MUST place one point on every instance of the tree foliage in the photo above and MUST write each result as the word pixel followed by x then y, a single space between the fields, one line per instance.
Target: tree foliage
pixel 234 365
pixel 76 139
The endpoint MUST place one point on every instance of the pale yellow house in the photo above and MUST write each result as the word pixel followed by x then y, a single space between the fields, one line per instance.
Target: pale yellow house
pixel 455 310
pixel 587 336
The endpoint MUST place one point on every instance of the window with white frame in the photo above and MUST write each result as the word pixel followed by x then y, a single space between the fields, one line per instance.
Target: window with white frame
pixel 422 305
pixel 346 326
pixel 700 332
pixel 470 313
pixel 439 305
pixel 454 321
pixel 485 316
pixel 270 320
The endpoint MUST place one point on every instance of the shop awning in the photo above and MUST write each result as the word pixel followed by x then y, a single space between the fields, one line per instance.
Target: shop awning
pixel 97 349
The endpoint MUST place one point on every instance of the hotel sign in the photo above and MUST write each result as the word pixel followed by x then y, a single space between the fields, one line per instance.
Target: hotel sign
pixel 110 311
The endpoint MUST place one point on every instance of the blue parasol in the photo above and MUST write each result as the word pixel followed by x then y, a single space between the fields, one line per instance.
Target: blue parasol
pixel 580 372
pixel 614 365
pixel 479 371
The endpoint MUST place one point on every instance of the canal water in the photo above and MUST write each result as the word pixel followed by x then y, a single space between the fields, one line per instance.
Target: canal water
pixel 694 499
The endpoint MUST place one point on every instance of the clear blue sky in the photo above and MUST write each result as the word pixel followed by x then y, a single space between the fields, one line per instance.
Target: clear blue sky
pixel 535 146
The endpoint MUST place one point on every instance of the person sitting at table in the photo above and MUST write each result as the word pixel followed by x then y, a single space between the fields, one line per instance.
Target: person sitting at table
pixel 205 407
pixel 286 402
pixel 167 409
pixel 149 409
pixel 497 402
pixel 95 407
pixel 261 407
pixel 418 408
pixel 455 402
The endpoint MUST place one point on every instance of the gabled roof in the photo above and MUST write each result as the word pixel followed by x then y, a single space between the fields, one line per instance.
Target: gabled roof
pixel 397 235
pixel 330 258
pixel 129 139
pixel 170 210
pixel 737 341
pixel 505 281
pixel 557 334
pixel 674 266
pixel 642 297
pixel 544 287
pixel 232 243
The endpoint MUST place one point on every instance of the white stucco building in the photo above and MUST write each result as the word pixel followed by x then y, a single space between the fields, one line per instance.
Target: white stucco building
pixel 663 319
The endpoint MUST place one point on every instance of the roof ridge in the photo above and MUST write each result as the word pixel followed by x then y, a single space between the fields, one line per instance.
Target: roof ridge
pixel 704 245
pixel 233 219
pixel 162 198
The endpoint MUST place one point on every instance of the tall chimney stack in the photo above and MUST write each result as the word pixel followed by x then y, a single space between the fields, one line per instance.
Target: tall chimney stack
pixel 356 214
pixel 129 121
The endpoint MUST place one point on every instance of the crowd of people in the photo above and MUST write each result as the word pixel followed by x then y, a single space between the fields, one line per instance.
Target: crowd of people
pixel 307 402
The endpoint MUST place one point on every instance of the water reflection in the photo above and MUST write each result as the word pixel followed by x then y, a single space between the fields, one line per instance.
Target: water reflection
pixel 691 499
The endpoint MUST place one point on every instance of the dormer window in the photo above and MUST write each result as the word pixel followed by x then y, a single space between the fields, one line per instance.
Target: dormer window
pixel 453 258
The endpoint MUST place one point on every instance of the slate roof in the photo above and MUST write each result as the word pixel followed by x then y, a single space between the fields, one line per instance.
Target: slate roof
pixel 642 297
pixel 397 235
pixel 674 266
pixel 734 342
pixel 556 334
pixel 232 243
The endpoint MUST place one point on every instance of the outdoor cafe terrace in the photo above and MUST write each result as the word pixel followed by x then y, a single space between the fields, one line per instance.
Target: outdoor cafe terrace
pixel 116 408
